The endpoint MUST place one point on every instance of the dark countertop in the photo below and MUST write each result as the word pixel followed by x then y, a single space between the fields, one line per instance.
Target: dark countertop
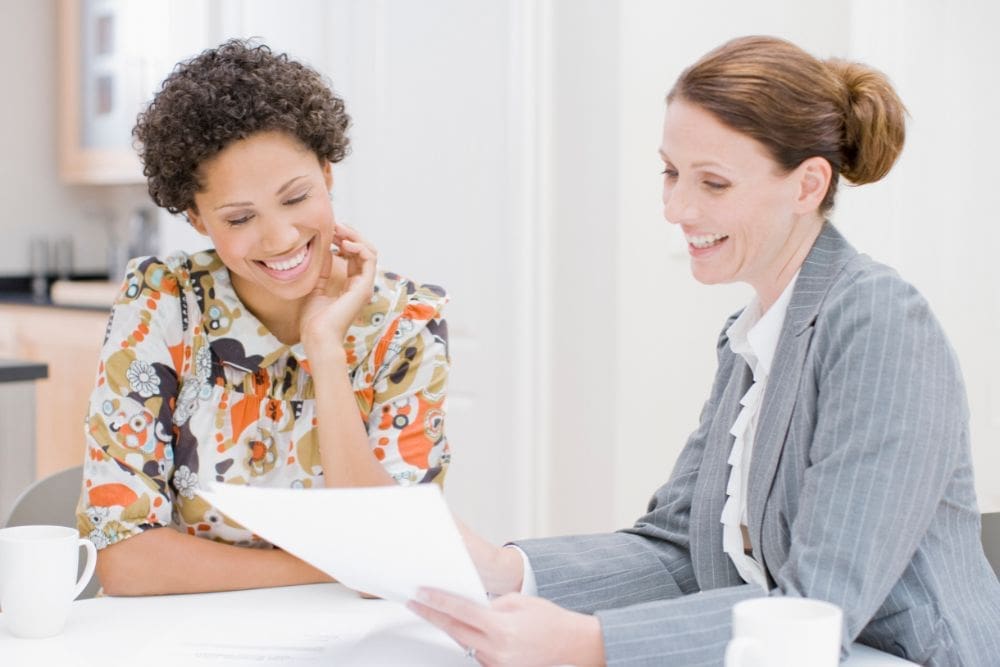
pixel 16 290
pixel 21 371
pixel 21 299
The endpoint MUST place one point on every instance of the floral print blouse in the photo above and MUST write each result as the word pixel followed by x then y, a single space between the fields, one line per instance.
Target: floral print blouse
pixel 192 387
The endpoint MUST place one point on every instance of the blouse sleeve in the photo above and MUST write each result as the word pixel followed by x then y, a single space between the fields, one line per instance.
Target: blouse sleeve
pixel 408 388
pixel 129 427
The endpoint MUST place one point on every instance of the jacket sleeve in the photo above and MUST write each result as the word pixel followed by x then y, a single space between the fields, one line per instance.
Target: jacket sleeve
pixel 651 560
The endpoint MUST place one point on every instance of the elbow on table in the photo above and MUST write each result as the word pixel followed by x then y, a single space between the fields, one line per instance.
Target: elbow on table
pixel 108 572
pixel 117 571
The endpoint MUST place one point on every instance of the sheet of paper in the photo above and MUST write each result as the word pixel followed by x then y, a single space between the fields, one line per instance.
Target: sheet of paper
pixel 386 540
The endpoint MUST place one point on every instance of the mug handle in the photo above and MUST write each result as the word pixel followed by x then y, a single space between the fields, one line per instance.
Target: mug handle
pixel 743 652
pixel 88 569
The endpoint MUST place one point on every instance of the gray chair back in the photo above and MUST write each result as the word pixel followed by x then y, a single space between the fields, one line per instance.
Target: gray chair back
pixel 52 502
pixel 991 539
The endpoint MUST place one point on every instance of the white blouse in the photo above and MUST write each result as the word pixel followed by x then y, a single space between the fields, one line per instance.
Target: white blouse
pixel 753 336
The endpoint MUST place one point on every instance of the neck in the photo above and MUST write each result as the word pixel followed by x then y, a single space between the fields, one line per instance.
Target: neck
pixel 280 317
pixel 770 288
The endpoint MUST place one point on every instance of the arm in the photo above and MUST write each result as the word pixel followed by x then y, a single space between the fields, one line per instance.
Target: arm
pixel 891 414
pixel 147 564
pixel 651 560
pixel 329 310
pixel 343 443
pixel 399 387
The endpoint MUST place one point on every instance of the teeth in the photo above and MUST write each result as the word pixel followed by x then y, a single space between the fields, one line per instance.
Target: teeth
pixel 288 263
pixel 705 240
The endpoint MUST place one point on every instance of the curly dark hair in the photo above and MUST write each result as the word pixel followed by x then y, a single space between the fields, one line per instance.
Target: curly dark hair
pixel 226 94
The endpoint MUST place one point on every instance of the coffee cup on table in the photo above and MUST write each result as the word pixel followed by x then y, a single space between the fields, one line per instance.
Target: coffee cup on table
pixel 785 632
pixel 38 583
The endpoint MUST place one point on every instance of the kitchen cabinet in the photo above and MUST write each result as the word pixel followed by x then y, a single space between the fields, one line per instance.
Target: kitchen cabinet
pixel 100 89
pixel 68 341
pixel 115 53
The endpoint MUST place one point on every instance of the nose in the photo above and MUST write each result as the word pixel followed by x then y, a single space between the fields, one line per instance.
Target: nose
pixel 678 204
pixel 280 233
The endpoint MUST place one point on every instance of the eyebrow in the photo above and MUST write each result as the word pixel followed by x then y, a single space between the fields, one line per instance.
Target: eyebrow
pixel 284 187
pixel 697 165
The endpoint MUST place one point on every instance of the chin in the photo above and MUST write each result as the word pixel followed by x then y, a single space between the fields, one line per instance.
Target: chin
pixel 706 277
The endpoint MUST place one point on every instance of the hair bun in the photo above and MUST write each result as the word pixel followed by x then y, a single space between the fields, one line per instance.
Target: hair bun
pixel 874 122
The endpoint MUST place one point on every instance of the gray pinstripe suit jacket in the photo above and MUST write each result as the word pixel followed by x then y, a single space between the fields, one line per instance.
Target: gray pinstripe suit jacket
pixel 861 492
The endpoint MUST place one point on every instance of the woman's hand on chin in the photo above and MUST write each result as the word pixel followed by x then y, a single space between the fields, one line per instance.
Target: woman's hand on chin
pixel 343 288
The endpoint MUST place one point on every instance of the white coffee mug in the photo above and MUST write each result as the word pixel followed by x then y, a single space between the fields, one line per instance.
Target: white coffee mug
pixel 38 566
pixel 785 632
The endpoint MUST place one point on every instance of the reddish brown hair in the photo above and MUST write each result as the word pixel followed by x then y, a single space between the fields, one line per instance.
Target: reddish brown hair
pixel 801 107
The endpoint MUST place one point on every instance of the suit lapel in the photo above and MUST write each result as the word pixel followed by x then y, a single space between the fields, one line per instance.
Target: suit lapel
pixel 829 254
pixel 713 568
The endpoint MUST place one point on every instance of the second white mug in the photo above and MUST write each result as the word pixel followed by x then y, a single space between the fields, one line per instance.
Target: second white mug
pixel 38 583
pixel 785 632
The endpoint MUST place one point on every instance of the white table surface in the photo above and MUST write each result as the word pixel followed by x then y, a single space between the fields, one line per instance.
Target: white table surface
pixel 322 624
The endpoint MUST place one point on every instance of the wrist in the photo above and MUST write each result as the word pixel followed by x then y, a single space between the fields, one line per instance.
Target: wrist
pixel 508 571
pixel 324 353
pixel 585 641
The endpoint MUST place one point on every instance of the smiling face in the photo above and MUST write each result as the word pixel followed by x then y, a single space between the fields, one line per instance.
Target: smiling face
pixel 744 219
pixel 264 204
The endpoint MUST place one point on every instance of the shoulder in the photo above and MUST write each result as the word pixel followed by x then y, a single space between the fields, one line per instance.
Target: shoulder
pixel 866 292
pixel 395 297
pixel 172 275
pixel 423 300
pixel 162 290
pixel 400 309
pixel 873 314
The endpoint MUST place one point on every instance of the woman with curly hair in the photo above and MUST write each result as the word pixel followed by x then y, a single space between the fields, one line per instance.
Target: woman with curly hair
pixel 281 357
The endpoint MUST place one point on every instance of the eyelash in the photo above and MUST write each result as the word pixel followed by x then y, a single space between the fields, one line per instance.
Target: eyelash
pixel 291 202
pixel 711 185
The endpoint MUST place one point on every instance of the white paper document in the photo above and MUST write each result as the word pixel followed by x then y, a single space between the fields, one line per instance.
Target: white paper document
pixel 385 540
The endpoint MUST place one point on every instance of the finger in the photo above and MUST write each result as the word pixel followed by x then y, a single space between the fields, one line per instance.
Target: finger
pixel 327 268
pixel 362 259
pixel 466 635
pixel 472 613
pixel 357 248
pixel 351 234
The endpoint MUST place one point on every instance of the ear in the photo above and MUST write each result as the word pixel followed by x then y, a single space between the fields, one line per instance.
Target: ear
pixel 196 221
pixel 328 175
pixel 814 176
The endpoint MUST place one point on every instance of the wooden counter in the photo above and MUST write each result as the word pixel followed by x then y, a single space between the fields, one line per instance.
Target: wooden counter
pixel 67 341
